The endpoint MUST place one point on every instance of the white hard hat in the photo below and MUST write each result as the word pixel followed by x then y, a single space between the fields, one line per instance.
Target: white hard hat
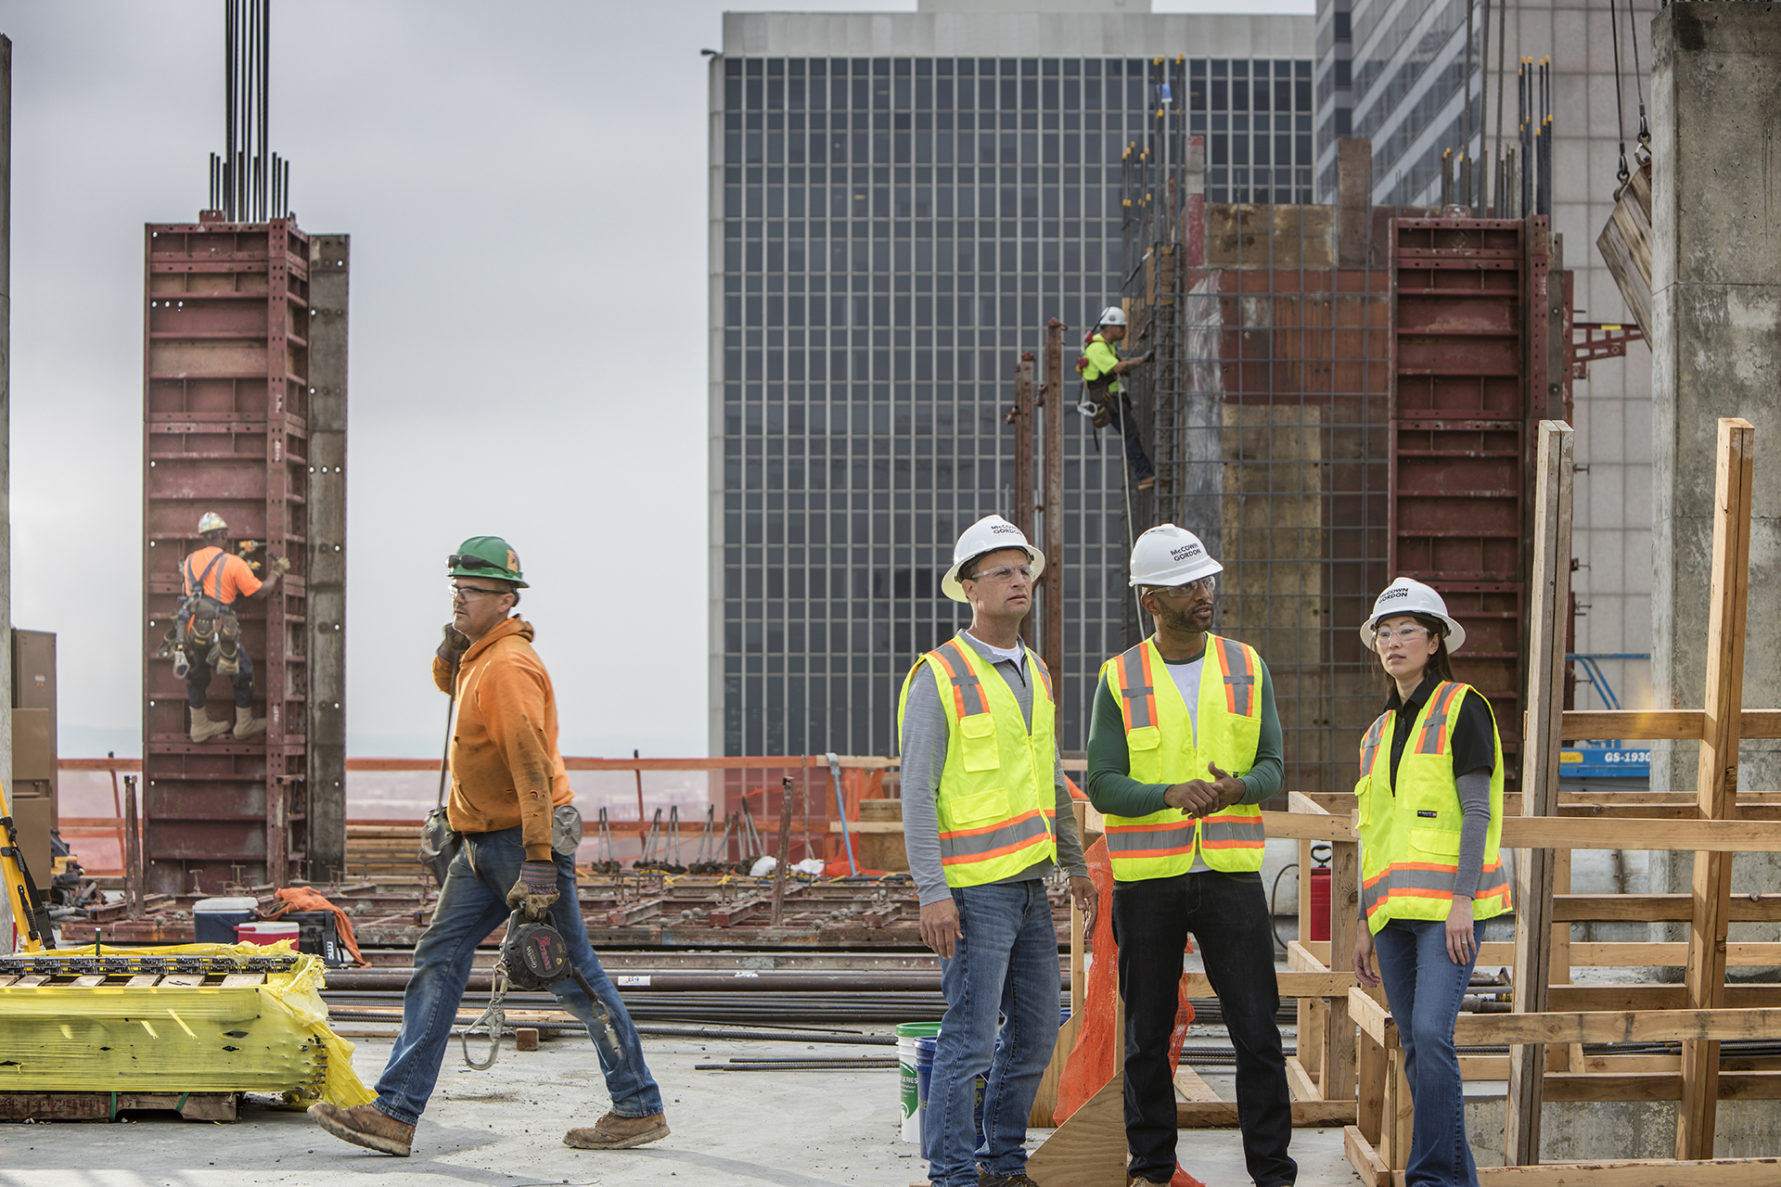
pixel 1168 555
pixel 212 522
pixel 1407 595
pixel 1113 315
pixel 986 535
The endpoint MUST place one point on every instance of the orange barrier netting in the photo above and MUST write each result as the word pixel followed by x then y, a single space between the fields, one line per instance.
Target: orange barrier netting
pixel 1094 1058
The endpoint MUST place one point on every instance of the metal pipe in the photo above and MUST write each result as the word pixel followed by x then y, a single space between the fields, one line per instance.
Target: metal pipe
pixel 265 99
pixel 132 852
pixel 227 205
pixel 1052 630
pixel 809 1065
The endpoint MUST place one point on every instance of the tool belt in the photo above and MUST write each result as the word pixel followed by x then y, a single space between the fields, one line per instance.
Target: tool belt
pixel 1102 399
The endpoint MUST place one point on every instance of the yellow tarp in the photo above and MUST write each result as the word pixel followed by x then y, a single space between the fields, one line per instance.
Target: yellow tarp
pixel 272 1037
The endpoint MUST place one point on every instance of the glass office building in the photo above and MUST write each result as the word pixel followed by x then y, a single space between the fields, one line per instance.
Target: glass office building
pixel 899 202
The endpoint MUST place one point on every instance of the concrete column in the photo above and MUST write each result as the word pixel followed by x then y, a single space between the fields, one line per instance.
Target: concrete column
pixel 329 269
pixel 1715 351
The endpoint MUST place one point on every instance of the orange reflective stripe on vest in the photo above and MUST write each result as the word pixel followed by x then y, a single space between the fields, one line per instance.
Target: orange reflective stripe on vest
pixel 1137 697
pixel 1130 842
pixel 1434 726
pixel 1369 745
pixel 1239 677
pixel 994 840
pixel 967 690
pixel 1432 880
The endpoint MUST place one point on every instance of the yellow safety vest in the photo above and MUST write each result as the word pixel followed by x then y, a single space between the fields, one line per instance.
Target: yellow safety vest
pixel 1160 740
pixel 998 792
pixel 1410 839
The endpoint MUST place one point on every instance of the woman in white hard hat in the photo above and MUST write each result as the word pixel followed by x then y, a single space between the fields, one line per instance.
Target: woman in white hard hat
pixel 1431 816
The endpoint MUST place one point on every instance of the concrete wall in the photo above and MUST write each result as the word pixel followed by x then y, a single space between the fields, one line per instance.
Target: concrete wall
pixel 1716 351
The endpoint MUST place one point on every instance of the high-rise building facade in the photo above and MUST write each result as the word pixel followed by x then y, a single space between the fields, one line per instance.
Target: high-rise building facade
pixel 1408 60
pixel 898 203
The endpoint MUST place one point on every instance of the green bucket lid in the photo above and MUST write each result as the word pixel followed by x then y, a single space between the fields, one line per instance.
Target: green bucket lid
pixel 917 1030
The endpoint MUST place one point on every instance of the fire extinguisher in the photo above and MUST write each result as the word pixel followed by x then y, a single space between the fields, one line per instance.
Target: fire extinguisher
pixel 1320 891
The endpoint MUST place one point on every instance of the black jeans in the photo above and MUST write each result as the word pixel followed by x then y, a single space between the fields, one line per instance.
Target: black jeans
pixel 1228 916
pixel 1136 460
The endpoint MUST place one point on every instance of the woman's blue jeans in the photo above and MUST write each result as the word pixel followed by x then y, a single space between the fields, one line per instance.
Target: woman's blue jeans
pixel 1001 989
pixel 473 903
pixel 1424 988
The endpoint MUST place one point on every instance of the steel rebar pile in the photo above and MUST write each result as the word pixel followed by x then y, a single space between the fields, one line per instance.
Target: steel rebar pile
pixel 248 181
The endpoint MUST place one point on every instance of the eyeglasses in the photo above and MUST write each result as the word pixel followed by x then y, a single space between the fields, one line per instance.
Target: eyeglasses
pixel 1003 573
pixel 1203 585
pixel 465 561
pixel 467 592
pixel 1404 634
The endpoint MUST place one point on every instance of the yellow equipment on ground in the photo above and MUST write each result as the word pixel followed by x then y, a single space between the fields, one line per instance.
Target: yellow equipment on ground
pixel 184 1018
pixel 31 919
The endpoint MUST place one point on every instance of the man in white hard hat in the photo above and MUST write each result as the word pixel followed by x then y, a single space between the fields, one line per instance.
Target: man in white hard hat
pixel 1101 368
pixel 1183 748
pixel 206 630
pixel 986 814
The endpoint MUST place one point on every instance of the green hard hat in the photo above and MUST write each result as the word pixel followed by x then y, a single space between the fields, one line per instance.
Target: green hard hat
pixel 487 556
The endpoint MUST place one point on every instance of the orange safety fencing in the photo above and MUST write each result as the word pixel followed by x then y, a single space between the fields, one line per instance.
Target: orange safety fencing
pixel 726 784
pixel 1096 1056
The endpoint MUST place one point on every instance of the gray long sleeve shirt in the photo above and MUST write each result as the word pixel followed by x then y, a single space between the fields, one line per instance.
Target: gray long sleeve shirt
pixel 924 741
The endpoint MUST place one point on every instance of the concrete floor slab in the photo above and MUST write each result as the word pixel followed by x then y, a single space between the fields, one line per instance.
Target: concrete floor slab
pixel 504 1128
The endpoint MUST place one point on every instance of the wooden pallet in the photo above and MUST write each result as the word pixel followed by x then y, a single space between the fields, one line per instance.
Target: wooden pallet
pixel 105 1106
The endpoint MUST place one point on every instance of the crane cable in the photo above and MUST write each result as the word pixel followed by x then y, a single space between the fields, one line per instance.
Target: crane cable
pixel 1622 173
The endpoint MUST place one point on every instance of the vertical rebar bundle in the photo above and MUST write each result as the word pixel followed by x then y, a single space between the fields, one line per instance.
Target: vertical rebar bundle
pixel 248 182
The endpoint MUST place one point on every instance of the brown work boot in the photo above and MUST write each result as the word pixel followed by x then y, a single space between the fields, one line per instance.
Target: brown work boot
pixel 365 1125
pixel 613 1132
pixel 203 728
pixel 986 1179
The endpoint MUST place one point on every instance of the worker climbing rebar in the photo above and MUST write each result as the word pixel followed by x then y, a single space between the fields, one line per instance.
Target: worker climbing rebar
pixel 206 635
pixel 1100 367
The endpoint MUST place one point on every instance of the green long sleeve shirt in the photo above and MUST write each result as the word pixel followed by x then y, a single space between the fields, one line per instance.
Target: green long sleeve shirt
pixel 1111 788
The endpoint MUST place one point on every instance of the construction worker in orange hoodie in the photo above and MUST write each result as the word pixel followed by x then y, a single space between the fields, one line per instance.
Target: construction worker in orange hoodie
pixel 507 778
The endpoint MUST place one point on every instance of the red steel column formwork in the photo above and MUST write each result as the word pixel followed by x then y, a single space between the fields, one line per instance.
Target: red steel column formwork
pixel 225 393
pixel 1471 375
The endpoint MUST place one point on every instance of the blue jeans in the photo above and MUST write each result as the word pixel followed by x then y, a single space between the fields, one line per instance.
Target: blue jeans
pixel 1001 989
pixel 472 903
pixel 1424 988
pixel 1228 915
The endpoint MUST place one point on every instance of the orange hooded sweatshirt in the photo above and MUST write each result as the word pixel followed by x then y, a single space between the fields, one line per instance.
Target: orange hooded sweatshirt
pixel 505 768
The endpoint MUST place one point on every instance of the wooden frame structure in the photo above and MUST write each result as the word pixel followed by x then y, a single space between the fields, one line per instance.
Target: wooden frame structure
pixel 1349 1066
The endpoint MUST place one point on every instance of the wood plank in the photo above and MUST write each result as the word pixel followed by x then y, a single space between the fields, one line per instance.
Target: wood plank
pixel 1658 908
pixel 1089 1149
pixel 1631 954
pixel 1364 1158
pixel 1655 835
pixel 1721 1172
pixel 1307 826
pixel 1585 998
pixel 1615 1026
pixel 1191 1087
pixel 1369 1059
pixel 1306 1114
pixel 1338 1075
pixel 1716 775
pixel 1632 725
pixel 1299 1082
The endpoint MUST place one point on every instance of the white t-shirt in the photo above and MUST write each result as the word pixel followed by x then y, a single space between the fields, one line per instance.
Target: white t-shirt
pixel 1005 655
pixel 1187 679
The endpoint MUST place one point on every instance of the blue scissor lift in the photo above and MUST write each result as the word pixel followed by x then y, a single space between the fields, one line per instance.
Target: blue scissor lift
pixel 1611 759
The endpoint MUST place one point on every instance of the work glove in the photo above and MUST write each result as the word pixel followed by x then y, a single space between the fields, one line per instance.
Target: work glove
pixel 281 565
pixel 453 646
pixel 536 889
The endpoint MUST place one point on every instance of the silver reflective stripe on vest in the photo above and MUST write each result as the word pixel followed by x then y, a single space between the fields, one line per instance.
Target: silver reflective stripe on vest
pixel 1443 701
pixel 967 689
pixel 1139 840
pixel 1239 682
pixel 1370 744
pixel 1137 695
pixel 1222 830
pixel 975 845
pixel 1401 879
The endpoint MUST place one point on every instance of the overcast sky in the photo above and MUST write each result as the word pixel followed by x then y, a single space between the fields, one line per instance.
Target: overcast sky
pixel 525 186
